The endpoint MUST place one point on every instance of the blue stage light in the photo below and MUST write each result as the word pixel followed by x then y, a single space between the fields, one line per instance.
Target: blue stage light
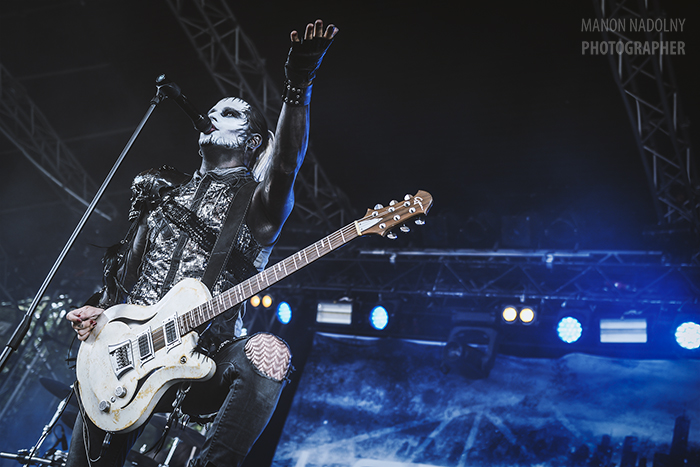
pixel 688 335
pixel 569 329
pixel 379 317
pixel 284 313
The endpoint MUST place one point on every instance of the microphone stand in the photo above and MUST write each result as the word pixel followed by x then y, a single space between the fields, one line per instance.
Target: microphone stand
pixel 24 325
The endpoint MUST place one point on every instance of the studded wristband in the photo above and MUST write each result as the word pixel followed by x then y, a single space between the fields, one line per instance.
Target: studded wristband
pixel 295 95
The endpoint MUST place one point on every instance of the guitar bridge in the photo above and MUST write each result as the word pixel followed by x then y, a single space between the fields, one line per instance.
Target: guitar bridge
pixel 121 357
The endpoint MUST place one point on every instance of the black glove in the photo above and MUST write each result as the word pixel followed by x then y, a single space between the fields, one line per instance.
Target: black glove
pixel 303 60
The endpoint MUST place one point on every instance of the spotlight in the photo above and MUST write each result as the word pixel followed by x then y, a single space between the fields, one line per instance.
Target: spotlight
pixel 267 301
pixel 512 314
pixel 284 313
pixel 379 317
pixel 509 314
pixel 527 315
pixel 688 335
pixel 255 301
pixel 569 329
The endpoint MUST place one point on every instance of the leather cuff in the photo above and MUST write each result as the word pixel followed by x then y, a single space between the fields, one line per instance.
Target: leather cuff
pixel 295 95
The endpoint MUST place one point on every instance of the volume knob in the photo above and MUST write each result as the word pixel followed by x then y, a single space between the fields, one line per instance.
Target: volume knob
pixel 104 406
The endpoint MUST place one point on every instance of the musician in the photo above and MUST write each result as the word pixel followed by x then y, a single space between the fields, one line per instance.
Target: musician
pixel 176 222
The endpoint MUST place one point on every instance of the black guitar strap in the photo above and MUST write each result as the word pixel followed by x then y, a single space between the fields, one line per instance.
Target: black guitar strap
pixel 226 240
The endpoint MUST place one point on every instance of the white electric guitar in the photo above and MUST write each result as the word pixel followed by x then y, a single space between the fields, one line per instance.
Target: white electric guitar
pixel 136 353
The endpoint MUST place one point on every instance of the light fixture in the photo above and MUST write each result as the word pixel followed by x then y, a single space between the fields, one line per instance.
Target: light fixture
pixel 569 329
pixel 509 314
pixel 284 312
pixel 267 301
pixel 255 301
pixel 527 315
pixel 688 335
pixel 339 312
pixel 379 318
pixel 518 314
pixel 623 331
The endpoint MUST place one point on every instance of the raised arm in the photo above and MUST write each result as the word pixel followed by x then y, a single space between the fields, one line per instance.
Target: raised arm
pixel 273 201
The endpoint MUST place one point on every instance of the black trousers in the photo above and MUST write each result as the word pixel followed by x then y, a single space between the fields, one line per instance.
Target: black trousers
pixel 244 397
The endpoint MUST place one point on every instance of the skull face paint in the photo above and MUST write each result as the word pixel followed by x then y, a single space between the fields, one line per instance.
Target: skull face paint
pixel 230 119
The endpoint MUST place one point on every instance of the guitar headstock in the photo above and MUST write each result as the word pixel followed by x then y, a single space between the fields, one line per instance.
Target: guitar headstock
pixel 382 219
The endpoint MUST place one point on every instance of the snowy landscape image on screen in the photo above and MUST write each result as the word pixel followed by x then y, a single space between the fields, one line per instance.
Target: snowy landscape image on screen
pixel 365 402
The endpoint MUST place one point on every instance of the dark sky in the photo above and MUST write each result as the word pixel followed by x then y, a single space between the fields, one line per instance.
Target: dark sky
pixel 490 107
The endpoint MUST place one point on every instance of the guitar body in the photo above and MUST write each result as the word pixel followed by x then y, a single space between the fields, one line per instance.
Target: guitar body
pixel 126 365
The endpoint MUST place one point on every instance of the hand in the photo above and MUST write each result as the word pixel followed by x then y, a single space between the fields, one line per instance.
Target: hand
pixel 84 320
pixel 305 55
pixel 315 30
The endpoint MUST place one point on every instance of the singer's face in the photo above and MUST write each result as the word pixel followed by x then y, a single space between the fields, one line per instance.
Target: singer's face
pixel 230 119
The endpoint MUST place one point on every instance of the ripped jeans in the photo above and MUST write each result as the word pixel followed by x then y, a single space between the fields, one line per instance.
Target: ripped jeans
pixel 250 375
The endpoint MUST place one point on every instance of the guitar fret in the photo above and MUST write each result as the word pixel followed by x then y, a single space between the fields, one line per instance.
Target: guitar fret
pixel 240 292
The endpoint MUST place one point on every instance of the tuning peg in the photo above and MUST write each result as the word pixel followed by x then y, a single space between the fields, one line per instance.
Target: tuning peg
pixel 392 202
pixel 392 236
pixel 407 197
pixel 420 221
pixel 405 229
pixel 378 206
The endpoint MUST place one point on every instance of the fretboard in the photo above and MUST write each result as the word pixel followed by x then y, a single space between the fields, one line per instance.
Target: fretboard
pixel 248 288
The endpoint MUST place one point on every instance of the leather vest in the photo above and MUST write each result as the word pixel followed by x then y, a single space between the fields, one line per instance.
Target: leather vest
pixel 181 230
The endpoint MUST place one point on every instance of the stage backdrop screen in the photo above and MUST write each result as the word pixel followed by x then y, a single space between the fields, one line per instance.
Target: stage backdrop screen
pixel 382 402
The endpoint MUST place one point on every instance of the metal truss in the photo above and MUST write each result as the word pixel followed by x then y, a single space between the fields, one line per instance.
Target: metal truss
pixel 585 277
pixel 650 94
pixel 237 68
pixel 27 128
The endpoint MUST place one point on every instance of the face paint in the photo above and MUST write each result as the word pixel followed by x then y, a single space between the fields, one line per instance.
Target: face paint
pixel 230 119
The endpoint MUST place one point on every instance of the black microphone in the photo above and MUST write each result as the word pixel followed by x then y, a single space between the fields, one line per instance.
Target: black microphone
pixel 172 90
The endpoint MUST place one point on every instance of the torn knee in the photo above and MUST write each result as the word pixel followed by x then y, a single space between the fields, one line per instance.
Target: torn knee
pixel 269 354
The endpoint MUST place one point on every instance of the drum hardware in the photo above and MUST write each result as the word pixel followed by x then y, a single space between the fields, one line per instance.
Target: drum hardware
pixel 56 458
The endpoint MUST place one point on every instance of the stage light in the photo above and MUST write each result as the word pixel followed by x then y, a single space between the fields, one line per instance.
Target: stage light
pixel 515 314
pixel 527 315
pixel 623 331
pixel 284 313
pixel 334 313
pixel 569 329
pixel 509 314
pixel 255 301
pixel 688 335
pixel 379 317
pixel 267 301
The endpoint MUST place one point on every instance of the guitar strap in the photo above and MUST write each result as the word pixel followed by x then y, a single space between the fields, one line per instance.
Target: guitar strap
pixel 226 240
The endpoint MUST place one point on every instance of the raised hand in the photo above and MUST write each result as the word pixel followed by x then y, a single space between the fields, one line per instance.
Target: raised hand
pixel 305 55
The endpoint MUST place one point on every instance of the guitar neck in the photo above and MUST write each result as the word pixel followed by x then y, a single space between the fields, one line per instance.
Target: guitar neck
pixel 248 288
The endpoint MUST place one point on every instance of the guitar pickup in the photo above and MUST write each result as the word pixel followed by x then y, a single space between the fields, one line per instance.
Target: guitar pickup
pixel 121 357
pixel 145 345
pixel 171 332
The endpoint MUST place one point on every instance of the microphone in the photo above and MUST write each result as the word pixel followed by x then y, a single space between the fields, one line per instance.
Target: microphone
pixel 172 90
